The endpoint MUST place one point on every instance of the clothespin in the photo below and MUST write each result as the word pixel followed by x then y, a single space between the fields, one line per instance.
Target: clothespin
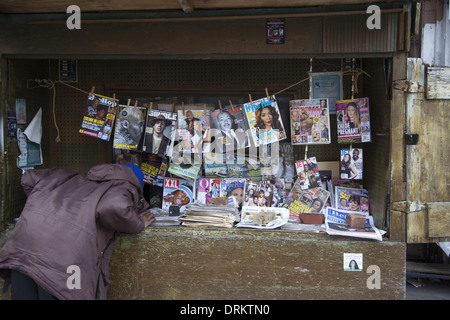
pixel 150 109
pixel 306 152
pixel 182 107
pixel 128 103
pixel 250 96
pixel 267 94
pixel 92 91
pixel 220 106
pixel 135 105
pixel 204 109
pixel 232 108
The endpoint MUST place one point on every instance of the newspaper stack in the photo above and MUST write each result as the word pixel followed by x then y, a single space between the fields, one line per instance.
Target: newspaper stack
pixel 200 215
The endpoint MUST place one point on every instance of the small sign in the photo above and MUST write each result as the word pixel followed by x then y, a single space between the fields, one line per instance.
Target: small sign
pixel 68 70
pixel 275 31
pixel 353 261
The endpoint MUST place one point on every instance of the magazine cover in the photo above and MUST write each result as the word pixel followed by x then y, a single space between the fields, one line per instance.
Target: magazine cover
pixel 286 167
pixel 215 165
pixel 308 173
pixel 309 201
pixel 258 194
pixel 129 131
pixel 177 194
pixel 185 171
pixel 336 224
pixel 99 117
pixel 353 121
pixel 159 132
pixel 263 217
pixel 230 128
pixel 352 199
pixel 194 135
pixel 351 164
pixel 207 188
pixel 279 192
pixel 310 121
pixel 264 121
pixel 233 187
pixel 154 168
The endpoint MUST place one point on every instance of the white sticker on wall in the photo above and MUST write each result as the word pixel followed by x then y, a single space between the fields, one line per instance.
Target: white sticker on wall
pixel 353 261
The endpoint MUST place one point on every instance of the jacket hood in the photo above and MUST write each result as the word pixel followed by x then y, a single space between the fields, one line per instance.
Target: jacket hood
pixel 106 172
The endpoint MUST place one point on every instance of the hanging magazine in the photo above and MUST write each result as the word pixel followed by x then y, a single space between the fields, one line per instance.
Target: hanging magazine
pixel 129 131
pixel 99 117
pixel 310 121
pixel 353 120
pixel 230 128
pixel 308 173
pixel 161 126
pixel 264 121
pixel 351 164
pixel 194 135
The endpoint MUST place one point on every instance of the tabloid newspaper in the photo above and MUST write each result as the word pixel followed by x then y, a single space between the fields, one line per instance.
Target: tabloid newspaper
pixel 309 201
pixel 159 132
pixel 263 217
pixel 129 130
pixel 99 117
pixel 353 199
pixel 351 164
pixel 308 173
pixel 193 134
pixel 177 194
pixel 353 120
pixel 264 121
pixel 336 224
pixel 231 128
pixel 310 121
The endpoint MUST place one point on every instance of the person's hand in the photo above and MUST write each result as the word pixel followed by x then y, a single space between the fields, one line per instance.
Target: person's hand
pixel 148 218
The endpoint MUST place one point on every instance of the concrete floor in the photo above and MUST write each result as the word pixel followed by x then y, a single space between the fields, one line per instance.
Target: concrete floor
pixel 428 289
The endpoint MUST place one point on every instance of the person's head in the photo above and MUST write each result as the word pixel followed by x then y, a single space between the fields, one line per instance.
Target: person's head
pixel 352 111
pixel 266 118
pixel 343 202
pixel 355 154
pixel 189 115
pixel 138 173
pixel 346 158
pixel 255 200
pixel 296 193
pixel 101 112
pixel 133 123
pixel 306 167
pixel 353 203
pixel 316 206
pixel 238 194
pixel 159 126
pixel 225 121
pixel 180 198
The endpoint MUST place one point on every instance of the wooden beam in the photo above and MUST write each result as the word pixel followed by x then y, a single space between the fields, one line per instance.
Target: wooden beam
pixel 186 5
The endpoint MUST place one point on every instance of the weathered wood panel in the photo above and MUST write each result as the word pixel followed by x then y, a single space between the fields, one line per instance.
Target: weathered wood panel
pixel 438 83
pixel 438 219
pixel 181 263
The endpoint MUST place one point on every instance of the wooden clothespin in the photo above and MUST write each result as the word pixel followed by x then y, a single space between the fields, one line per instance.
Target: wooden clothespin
pixel 267 94
pixel 114 99
pixel 150 108
pixel 232 107
pixel 204 109
pixel 182 107
pixel 128 103
pixel 250 96
pixel 220 106
pixel 135 105
pixel 92 91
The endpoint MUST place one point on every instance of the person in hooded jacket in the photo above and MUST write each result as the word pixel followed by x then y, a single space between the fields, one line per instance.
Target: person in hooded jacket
pixel 61 246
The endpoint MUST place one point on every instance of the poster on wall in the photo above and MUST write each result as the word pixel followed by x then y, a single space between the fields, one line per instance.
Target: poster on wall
pixel 99 117
pixel 275 31
pixel 310 121
pixel 353 120
pixel 327 85
pixel 264 121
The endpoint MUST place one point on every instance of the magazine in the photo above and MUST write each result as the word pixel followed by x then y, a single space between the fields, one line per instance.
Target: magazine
pixel 177 194
pixel 264 121
pixel 263 217
pixel 353 199
pixel 286 168
pixel 353 120
pixel 310 121
pixel 308 173
pixel 99 117
pixel 309 201
pixel 194 135
pixel 159 132
pixel 233 187
pixel 185 171
pixel 230 129
pixel 154 168
pixel 207 189
pixel 129 131
pixel 351 164
pixel 258 194
pixel 336 224
pixel 279 192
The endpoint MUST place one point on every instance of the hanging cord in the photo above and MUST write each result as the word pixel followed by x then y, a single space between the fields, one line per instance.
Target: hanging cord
pixel 49 84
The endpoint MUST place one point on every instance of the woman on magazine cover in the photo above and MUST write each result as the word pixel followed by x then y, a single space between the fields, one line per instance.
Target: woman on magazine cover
pixel 348 171
pixel 267 119
pixel 352 114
